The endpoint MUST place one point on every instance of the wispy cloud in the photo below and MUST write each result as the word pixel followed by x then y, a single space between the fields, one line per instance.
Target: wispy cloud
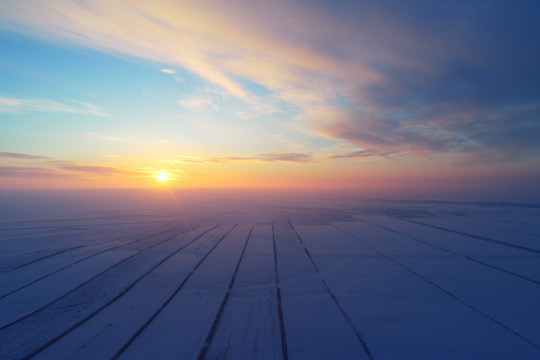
pixel 48 167
pixel 366 154
pixel 257 106
pixel 270 157
pixel 28 172
pixel 22 156
pixel 17 105
pixel 385 76
pixel 98 170
pixel 168 71
pixel 51 168
pixel 196 103
pixel 215 98
pixel 9 102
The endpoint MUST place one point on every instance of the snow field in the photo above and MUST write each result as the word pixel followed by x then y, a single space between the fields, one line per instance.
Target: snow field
pixel 275 283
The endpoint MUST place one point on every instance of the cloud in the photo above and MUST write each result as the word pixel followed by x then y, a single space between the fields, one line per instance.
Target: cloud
pixel 487 134
pixel 257 106
pixel 209 39
pixel 9 102
pixel 54 168
pixel 98 170
pixel 15 105
pixel 366 154
pixel 382 134
pixel 66 171
pixel 418 78
pixel 22 156
pixel 270 157
pixel 216 98
pixel 28 172
pixel 168 71
pixel 50 168
pixel 196 103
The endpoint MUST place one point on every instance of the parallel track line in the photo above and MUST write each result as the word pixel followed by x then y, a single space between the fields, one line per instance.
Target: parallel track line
pixel 284 352
pixel 89 257
pixel 110 302
pixel 84 283
pixel 455 253
pixel 502 243
pixel 169 299
pixel 455 297
pixel 333 296
pixel 212 332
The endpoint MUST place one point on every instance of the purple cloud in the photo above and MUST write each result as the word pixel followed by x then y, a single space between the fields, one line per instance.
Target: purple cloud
pixel 96 170
pixel 28 172
pixel 270 157
pixel 22 156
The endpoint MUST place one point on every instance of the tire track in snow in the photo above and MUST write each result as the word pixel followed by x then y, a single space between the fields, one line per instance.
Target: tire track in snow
pixel 169 299
pixel 498 228
pixel 117 297
pixel 333 296
pixel 504 270
pixel 454 253
pixel 503 243
pixel 215 324
pixel 62 227
pixel 284 351
pixel 91 256
pixel 491 218
pixel 86 282
pixel 455 297
pixel 46 257
pixel 82 246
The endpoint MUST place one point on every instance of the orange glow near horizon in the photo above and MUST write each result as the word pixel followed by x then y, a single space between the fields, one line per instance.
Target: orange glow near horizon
pixel 136 173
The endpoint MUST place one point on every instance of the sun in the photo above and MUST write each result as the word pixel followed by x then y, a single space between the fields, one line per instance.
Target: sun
pixel 162 176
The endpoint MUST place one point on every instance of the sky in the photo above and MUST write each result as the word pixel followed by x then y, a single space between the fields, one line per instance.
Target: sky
pixel 368 95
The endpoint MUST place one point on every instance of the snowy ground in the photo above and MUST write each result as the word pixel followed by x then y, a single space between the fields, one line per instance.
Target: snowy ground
pixel 271 279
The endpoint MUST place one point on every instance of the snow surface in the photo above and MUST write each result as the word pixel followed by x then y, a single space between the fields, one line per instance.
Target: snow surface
pixel 271 278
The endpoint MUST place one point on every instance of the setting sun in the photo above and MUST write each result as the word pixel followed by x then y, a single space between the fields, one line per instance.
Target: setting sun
pixel 162 176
